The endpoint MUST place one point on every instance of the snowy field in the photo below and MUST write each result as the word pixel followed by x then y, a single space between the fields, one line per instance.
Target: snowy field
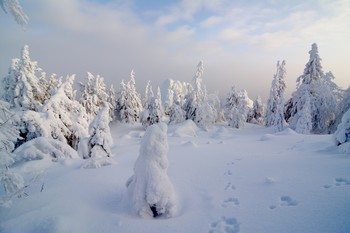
pixel 248 180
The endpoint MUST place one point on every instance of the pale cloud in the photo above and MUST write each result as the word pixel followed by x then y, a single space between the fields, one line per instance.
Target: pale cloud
pixel 76 36
pixel 211 21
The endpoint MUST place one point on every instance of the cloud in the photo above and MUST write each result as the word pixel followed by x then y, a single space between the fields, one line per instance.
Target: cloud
pixel 76 36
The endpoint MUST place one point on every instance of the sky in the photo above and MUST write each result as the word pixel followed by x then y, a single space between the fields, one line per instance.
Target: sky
pixel 238 41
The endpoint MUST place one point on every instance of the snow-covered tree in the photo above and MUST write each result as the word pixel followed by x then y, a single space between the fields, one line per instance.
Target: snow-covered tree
pixel 256 114
pixel 153 111
pixel 93 95
pixel 129 104
pixel 12 182
pixel 322 92
pixel 236 108
pixel 22 86
pixel 304 124
pixel 67 116
pixel 112 101
pixel 16 10
pixel 176 112
pixel 150 189
pixel 100 140
pixel 275 103
pixel 342 134
pixel 195 95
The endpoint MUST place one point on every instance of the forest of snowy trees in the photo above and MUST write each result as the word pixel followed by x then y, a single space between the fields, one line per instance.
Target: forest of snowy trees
pixel 50 109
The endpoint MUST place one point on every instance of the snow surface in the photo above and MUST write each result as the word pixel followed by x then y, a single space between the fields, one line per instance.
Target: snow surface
pixel 227 180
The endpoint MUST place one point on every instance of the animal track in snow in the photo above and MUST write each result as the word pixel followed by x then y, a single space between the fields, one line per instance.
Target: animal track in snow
pixel 231 200
pixel 229 173
pixel 225 225
pixel 342 181
pixel 230 186
pixel 288 201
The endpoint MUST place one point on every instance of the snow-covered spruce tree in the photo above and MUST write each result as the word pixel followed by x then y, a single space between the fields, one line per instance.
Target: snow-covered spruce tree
pixel 22 87
pixel 148 95
pixel 342 134
pixel 275 103
pixel 195 96
pixel 150 189
pixel 304 123
pixel 100 140
pixel 256 115
pixel 129 104
pixel 67 115
pixel 236 108
pixel 93 95
pixel 323 95
pixel 176 112
pixel 16 11
pixel 12 182
pixel 196 104
pixel 111 99
pixel 153 112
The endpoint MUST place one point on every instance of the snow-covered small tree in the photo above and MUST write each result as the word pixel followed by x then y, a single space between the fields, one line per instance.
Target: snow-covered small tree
pixel 93 95
pixel 16 11
pixel 176 112
pixel 129 104
pixel 304 123
pixel 153 112
pixel 256 114
pixel 100 140
pixel 275 103
pixel 342 134
pixel 150 189
pixel 236 108
pixel 111 99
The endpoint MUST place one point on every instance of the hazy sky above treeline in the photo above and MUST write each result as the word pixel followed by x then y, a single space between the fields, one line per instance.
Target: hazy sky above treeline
pixel 239 42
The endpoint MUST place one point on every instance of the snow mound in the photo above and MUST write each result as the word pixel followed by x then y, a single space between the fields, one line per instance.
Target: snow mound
pixel 44 148
pixel 96 162
pixel 185 129
pixel 287 132
pixel 189 144
pixel 267 137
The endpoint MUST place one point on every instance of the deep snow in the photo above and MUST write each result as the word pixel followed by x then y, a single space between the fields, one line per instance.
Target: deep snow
pixel 226 180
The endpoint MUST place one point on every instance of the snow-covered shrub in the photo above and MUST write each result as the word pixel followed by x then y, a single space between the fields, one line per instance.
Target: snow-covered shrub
pixel 12 182
pixel 100 141
pixel 256 115
pixel 150 189
pixel 236 108
pixel 342 135
pixel 44 148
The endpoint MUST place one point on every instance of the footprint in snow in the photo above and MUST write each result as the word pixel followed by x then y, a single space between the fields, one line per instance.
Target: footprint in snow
pixel 229 173
pixel 229 201
pixel 288 201
pixel 285 201
pixel 225 225
pixel 230 186
pixel 340 181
